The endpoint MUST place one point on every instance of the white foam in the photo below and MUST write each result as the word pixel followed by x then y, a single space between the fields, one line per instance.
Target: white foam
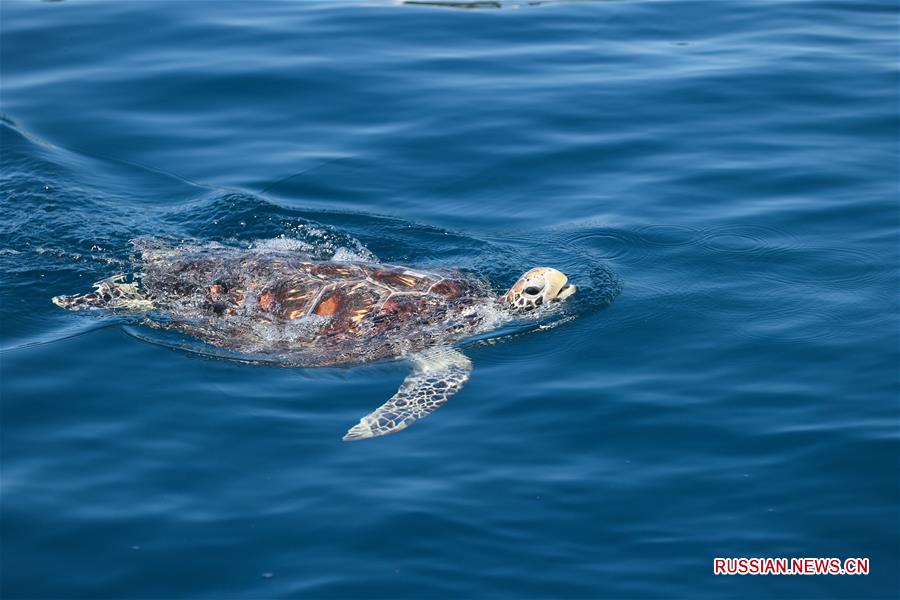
pixel 313 243
pixel 286 331
pixel 282 244
pixel 342 254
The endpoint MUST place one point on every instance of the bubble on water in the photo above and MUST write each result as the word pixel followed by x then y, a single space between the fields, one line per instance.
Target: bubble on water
pixel 66 256
pixel 555 324
pixel 323 243
pixel 282 332
pixel 347 255
pixel 282 244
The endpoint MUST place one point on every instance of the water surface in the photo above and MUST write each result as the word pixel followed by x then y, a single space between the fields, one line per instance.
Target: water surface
pixel 733 164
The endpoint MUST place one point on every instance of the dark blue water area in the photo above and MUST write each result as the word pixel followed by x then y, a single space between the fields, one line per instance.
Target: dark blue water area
pixel 720 179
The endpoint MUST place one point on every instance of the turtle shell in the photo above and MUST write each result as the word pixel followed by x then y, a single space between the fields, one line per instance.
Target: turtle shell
pixel 333 311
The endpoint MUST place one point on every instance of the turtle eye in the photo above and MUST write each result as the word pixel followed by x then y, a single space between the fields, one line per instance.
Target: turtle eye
pixel 532 290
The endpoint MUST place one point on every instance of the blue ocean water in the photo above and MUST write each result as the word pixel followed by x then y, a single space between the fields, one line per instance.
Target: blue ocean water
pixel 733 163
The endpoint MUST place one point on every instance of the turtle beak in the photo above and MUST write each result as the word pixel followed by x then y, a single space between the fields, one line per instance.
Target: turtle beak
pixel 558 286
pixel 566 291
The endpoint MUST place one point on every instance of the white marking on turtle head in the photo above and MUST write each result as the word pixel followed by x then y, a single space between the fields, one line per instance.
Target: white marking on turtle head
pixel 538 286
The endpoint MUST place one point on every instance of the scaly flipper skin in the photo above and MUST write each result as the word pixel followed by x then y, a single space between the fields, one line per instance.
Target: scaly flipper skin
pixel 438 373
pixel 111 293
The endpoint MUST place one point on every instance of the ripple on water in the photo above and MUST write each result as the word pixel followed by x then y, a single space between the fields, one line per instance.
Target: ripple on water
pixel 619 246
pixel 598 287
pixel 820 265
pixel 795 321
pixel 764 255
pixel 747 239
pixel 669 235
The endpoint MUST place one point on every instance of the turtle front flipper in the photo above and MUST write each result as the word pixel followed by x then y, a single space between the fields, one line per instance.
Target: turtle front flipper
pixel 111 293
pixel 438 373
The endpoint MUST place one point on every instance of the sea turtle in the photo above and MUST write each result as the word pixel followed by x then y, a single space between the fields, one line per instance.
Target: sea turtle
pixel 322 313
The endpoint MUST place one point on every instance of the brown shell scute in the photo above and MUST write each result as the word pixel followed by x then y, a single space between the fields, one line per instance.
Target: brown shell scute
pixel 296 300
pixel 223 298
pixel 401 305
pixel 267 301
pixel 328 312
pixel 216 292
pixel 347 308
pixel 290 299
pixel 330 304
pixel 402 280
pixel 333 271
pixel 447 288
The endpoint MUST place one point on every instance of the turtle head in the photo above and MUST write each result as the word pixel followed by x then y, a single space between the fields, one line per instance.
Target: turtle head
pixel 536 287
